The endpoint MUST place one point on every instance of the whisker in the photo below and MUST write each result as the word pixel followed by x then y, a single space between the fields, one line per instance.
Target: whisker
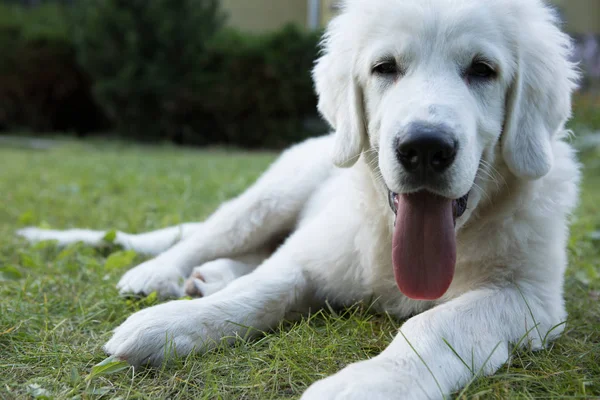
pixel 483 192
pixel 490 177
pixel 491 169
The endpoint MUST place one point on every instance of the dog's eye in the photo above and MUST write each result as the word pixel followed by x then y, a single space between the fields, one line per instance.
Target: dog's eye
pixel 386 68
pixel 481 70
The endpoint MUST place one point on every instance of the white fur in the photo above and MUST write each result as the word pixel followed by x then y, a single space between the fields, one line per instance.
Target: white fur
pixel 508 285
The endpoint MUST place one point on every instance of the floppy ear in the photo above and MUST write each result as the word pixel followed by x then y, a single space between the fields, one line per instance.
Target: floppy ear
pixel 539 99
pixel 341 102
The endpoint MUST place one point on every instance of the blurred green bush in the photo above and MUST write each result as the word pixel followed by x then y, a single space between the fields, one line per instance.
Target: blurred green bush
pixel 142 55
pixel 253 90
pixel 163 70
pixel 42 87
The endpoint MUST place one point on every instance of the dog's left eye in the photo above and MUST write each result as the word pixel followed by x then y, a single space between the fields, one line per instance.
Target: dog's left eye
pixel 386 68
pixel 481 70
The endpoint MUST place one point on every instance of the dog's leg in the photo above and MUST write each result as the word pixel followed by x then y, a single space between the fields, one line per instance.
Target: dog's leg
pixel 213 276
pixel 298 276
pixel 259 216
pixel 249 305
pixel 441 350
pixel 151 243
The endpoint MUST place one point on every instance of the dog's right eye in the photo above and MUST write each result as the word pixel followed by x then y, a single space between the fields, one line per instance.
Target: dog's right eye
pixel 386 68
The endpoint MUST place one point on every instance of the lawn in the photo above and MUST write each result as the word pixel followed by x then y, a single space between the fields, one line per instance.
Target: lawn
pixel 58 306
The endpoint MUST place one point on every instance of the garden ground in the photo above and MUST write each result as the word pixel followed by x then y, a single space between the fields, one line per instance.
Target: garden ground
pixel 58 306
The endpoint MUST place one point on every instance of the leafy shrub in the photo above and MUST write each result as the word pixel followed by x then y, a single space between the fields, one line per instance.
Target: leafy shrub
pixel 41 85
pixel 141 55
pixel 162 71
pixel 252 91
pixel 48 21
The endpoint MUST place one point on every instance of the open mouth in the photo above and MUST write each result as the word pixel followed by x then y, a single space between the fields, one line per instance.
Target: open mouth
pixel 459 206
pixel 424 242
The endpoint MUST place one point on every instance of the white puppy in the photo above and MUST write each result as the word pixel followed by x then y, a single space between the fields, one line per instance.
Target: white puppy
pixel 452 204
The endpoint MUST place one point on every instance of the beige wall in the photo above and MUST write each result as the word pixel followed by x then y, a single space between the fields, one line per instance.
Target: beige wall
pixel 327 10
pixel 265 15
pixel 582 16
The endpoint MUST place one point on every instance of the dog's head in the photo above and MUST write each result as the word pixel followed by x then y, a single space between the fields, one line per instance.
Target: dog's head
pixel 431 91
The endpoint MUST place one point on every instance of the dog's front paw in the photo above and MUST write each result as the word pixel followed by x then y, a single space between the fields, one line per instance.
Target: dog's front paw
pixel 156 334
pixel 373 379
pixel 213 276
pixel 154 275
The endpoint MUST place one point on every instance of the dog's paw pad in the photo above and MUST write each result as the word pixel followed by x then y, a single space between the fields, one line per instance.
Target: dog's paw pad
pixel 195 285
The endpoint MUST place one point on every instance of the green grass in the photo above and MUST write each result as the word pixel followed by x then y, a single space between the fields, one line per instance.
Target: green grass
pixel 58 306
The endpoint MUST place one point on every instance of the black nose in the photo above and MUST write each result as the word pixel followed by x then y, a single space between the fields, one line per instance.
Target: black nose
pixel 426 147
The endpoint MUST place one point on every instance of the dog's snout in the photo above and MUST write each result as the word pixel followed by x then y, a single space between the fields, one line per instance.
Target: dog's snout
pixel 427 147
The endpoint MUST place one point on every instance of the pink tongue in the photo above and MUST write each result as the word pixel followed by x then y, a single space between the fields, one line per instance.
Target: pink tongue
pixel 424 246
